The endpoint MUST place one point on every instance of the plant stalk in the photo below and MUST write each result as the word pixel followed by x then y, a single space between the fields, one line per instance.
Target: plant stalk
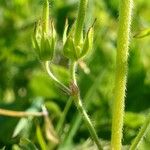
pixel 69 102
pixel 80 21
pixel 140 135
pixel 11 113
pixel 125 12
pixel 80 107
pixel 45 16
pixel 59 83
pixel 62 119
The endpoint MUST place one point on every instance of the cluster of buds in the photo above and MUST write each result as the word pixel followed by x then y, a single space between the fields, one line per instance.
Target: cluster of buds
pixel 76 45
pixel 74 49
pixel 44 37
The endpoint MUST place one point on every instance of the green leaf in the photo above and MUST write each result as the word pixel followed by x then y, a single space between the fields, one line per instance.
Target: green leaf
pixel 40 138
pixel 61 73
pixel 24 125
pixel 134 120
pixel 142 141
pixel 2 148
pixel 45 83
pixel 26 144
pixel 53 108
pixel 143 33
pixel 15 147
pixel 24 122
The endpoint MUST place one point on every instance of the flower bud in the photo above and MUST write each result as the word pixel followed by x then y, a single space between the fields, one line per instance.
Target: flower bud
pixel 69 49
pixel 44 37
pixel 73 50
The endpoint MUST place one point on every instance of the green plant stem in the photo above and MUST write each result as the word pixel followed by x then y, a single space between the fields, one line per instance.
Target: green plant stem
pixel 121 72
pixel 73 67
pixel 140 135
pixel 45 18
pixel 88 122
pixel 62 119
pixel 69 102
pixel 81 109
pixel 80 20
pixel 59 83
pixel 76 120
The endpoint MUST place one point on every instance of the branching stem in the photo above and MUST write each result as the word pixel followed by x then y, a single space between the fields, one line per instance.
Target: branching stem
pixel 59 83
pixel 80 107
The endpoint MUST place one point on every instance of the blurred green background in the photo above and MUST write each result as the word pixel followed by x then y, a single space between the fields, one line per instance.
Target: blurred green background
pixel 24 85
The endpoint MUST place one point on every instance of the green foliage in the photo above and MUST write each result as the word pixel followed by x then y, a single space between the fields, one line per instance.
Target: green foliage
pixel 44 37
pixel 40 138
pixel 141 142
pixel 2 148
pixel 23 80
pixel 26 144
pixel 75 51
pixel 143 33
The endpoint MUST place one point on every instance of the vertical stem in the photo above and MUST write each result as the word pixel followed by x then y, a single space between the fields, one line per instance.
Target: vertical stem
pixel 81 108
pixel 45 16
pixel 80 20
pixel 62 119
pixel 140 135
pixel 121 72
pixel 69 103
pixel 88 122
pixel 73 66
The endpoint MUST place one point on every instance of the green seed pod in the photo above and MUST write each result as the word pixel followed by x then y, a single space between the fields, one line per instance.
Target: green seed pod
pixel 69 49
pixel 44 37
pixel 46 51
pixel 73 50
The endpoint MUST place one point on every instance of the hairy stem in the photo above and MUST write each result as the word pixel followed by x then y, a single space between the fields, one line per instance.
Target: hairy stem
pixel 80 107
pixel 73 67
pixel 88 122
pixel 80 20
pixel 140 135
pixel 69 102
pixel 62 119
pixel 59 83
pixel 121 72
